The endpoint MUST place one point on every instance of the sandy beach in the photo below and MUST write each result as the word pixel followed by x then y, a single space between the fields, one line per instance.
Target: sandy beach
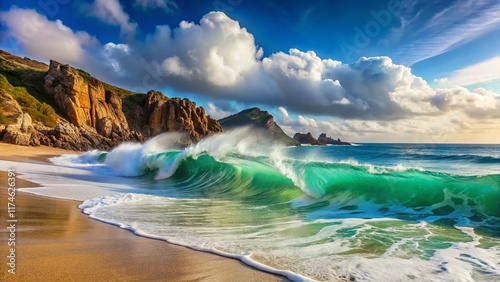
pixel 56 242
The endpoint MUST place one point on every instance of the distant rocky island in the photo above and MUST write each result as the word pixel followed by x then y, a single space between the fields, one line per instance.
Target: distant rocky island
pixel 259 119
pixel 322 140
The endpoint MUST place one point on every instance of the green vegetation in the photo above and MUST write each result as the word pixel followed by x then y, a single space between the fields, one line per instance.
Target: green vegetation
pixel 131 101
pixel 39 111
pixel 122 93
pixel 5 119
pixel 24 78
pixel 86 76
pixel 252 116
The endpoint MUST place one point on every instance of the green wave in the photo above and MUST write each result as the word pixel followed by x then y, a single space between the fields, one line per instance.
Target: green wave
pixel 336 189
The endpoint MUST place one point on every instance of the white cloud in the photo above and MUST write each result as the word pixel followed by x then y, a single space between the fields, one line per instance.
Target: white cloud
pixel 482 72
pixel 450 28
pixel 46 39
pixel 479 103
pixel 217 51
pixel 111 12
pixel 368 88
pixel 111 50
pixel 217 112
pixel 441 81
pixel 307 122
pixel 169 6
pixel 285 117
pixel 451 127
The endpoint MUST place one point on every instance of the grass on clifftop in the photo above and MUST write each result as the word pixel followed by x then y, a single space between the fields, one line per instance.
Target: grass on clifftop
pixel 251 116
pixel 122 93
pixel 39 111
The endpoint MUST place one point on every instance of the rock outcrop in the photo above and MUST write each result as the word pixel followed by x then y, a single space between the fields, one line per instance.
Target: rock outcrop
pixel 85 101
pixel 329 140
pixel 161 114
pixel 259 119
pixel 19 133
pixel 306 139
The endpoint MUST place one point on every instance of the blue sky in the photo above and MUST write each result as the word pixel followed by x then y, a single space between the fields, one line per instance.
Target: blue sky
pixel 301 60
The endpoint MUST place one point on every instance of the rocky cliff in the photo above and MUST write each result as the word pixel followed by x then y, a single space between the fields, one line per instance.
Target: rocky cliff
pixel 85 101
pixel 60 106
pixel 155 113
pixel 259 119
pixel 306 139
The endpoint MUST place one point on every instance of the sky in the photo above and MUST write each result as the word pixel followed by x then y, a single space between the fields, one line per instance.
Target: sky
pixel 363 71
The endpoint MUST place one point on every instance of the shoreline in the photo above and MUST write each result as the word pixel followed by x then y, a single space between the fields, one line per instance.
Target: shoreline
pixel 83 248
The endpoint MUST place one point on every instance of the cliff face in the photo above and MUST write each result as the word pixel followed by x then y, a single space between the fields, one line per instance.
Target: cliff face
pixel 261 120
pixel 306 139
pixel 157 114
pixel 85 101
pixel 90 114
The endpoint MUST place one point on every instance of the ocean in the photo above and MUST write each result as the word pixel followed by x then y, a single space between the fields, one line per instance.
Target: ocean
pixel 368 212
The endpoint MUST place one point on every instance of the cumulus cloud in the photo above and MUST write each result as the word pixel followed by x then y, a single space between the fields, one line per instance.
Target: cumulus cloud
pixel 111 12
pixel 218 112
pixel 479 103
pixel 217 51
pixel 218 58
pixel 111 51
pixel 45 39
pixel 169 6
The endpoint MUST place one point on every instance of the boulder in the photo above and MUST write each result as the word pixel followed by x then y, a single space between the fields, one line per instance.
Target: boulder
pixel 104 127
pixel 14 135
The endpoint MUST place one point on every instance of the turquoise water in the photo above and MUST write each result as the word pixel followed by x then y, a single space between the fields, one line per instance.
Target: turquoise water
pixel 371 212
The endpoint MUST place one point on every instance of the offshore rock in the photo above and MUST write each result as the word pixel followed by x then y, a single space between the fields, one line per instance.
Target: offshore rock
pixel 306 139
pixel 329 140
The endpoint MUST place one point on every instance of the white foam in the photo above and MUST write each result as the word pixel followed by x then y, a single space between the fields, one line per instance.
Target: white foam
pixel 69 182
pixel 94 206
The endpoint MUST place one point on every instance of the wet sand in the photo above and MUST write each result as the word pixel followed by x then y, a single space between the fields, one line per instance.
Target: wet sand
pixel 56 242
